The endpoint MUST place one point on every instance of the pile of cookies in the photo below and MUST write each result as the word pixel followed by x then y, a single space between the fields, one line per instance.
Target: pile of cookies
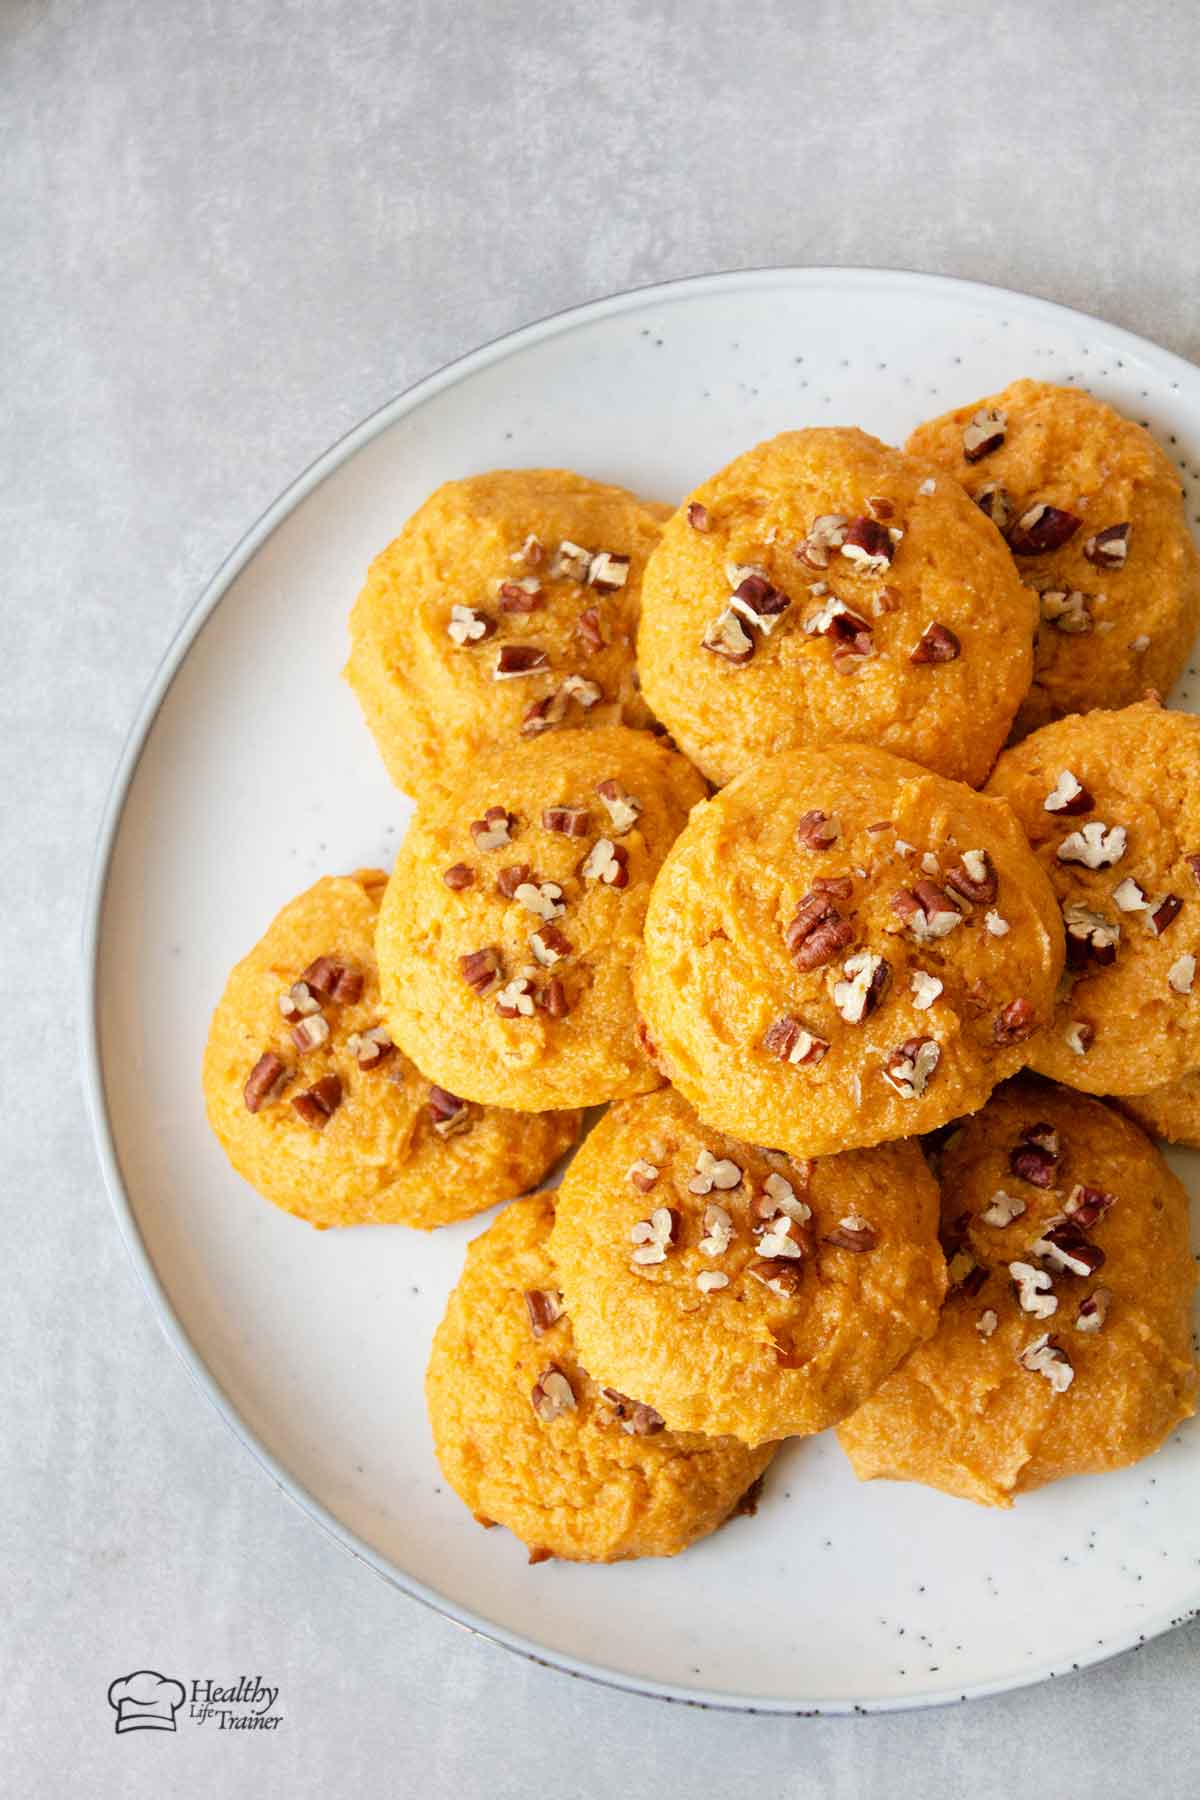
pixel 717 829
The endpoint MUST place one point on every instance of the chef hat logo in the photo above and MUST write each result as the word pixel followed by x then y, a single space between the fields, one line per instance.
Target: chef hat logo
pixel 145 1701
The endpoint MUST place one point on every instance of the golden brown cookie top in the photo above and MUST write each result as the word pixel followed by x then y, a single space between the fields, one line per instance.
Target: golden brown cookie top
pixel 842 949
pixel 511 922
pixel 738 1290
pixel 1092 510
pixel 1065 1343
pixel 528 1440
pixel 316 1107
pixel 1110 802
pixel 824 585
pixel 1171 1111
pixel 506 608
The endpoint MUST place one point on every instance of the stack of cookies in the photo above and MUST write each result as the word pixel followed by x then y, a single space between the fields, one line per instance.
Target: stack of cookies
pixel 717 829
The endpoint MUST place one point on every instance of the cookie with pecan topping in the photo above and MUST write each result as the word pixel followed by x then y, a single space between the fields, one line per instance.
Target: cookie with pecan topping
pixel 529 1439
pixel 316 1107
pixel 514 988
pixel 836 589
pixel 1092 510
pixel 822 995
pixel 784 1291
pixel 1110 802
pixel 506 608
pixel 1065 1342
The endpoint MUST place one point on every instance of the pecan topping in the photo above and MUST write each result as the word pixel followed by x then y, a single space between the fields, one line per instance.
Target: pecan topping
pixel 860 993
pixel 937 644
pixel 469 626
pixel 974 877
pixel 545 714
pixel 1093 1311
pixel 996 924
pixel 838 887
pixel 569 821
pixel 1044 1357
pixel 1014 1023
pixel 1095 845
pixel 987 1322
pixel 459 876
pixel 572 562
pixel 1087 1205
pixel 318 1103
pixel 622 809
pixel 515 660
pixel 1193 863
pixel 718 1231
pixel 816 830
pixel 727 637
pixel 1069 611
pixel 447 1113
pixel 607 571
pixel 1067 796
pixel 792 1042
pixel 370 1048
pixel 1091 938
pixel 265 1081
pixel 713 1172
pixel 635 1417
pixel 927 910
pixel 333 980
pixel 1065 1248
pixel 1108 548
pixel 782 1241
pixel 880 507
pixel 310 1033
pixel 524 596
pixel 654 1236
pixel 532 551
pixel 869 545
pixel 494 830
pixel 643 1175
pixel 1041 528
pixel 545 1308
pixel 1130 895
pixel 1034 1290
pixel 1164 913
pixel 912 1065
pixel 516 998
pixel 760 603
pixel 709 1280
pixel 849 632
pixel 781 1276
pixel 510 878
pixel 552 1395
pixel 606 862
pixel 1181 974
pixel 299 1002
pixel 589 628
pixel 996 502
pixel 550 945
pixel 542 898
pixel 925 989
pixel 826 534
pixel 552 998
pixel 817 932
pixel 779 1196
pixel 584 693
pixel 1079 1036
pixel 852 1233
pixel 481 970
pixel 698 517
pixel 984 433
pixel 1002 1209
pixel 1035 1155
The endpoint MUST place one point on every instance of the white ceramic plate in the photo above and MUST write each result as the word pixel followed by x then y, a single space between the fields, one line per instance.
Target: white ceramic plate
pixel 249 773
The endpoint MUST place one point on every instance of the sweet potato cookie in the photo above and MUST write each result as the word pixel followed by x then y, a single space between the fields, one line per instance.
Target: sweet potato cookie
pixel 1065 1344
pixel 843 948
pixel 737 1291
pixel 1171 1111
pixel 1111 805
pixel 1093 512
pixel 507 607
pixel 826 586
pixel 511 922
pixel 316 1108
pixel 528 1440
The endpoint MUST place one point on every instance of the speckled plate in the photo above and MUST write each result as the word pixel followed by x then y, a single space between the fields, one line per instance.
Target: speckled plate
pixel 249 772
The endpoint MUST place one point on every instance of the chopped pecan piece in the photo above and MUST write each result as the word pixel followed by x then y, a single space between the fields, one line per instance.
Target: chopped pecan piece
pixel 370 1048
pixel 643 1175
pixel 1035 1155
pixel 469 626
pixel 310 1033
pixel 1068 796
pixel 869 545
pixel 607 571
pixel 494 830
pixel 481 970
pixel 1068 610
pixel 937 644
pixel 727 637
pixel 606 862
pixel 783 1277
pixel 996 502
pixel 1034 1290
pixel 1193 863
pixel 516 998
pixel 1079 1036
pixel 815 830
pixel 622 809
pixel 545 714
pixel 516 660
pixel 1041 528
pixel 589 628
pixel 792 1042
pixel 265 1081
pixel 299 1002
pixel 698 517
pixel 1095 845
pixel 984 433
pixel 635 1417
pixel 1065 1248
pixel 927 910
pixel 552 1395
pixel 849 631
pixel 838 887
pixel 544 1307
pixel 852 1233
pixel 1014 1022
pixel 459 876
pixel 1109 548
pixel 544 899
pixel 1091 938
pixel 1165 912
pixel 585 693
pixel 654 1236
pixel 552 999
pixel 550 945
pixel 866 978
pixel 1044 1357
pixel 326 976
pixel 571 563
pixel 1002 1209
pixel 974 877
pixel 448 1114
pixel 826 534
pixel 713 1172
pixel 510 878
pixel 760 603
pixel 1087 1205
pixel 318 1103
pixel 880 507
pixel 817 932
pixel 912 1065
pixel 1093 1311
pixel 520 596
pixel 1181 974
pixel 568 821
pixel 532 551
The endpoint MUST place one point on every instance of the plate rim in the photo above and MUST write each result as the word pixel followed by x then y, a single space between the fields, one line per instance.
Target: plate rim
pixel 292 496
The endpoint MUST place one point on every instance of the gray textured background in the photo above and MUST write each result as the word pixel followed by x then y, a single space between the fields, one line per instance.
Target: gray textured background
pixel 228 230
